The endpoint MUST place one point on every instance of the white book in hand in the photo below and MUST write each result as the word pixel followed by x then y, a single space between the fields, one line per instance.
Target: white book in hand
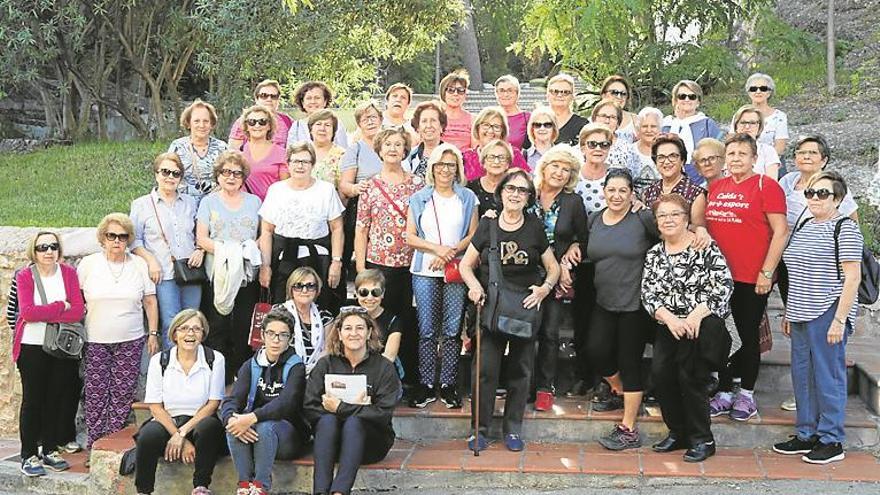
pixel 351 389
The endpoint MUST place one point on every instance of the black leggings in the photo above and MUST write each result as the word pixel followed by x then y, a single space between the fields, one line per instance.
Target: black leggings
pixel 49 399
pixel 748 309
pixel 398 300
pixel 617 343
pixel 352 442
pixel 208 438
pixel 583 305
pixel 230 333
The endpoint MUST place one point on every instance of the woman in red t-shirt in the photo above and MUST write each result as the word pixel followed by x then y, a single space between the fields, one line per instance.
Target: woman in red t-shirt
pixel 745 214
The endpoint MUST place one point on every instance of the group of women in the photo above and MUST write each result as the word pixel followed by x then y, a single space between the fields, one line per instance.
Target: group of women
pixel 632 222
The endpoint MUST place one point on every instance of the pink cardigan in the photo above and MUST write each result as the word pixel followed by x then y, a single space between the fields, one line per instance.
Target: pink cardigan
pixel 29 312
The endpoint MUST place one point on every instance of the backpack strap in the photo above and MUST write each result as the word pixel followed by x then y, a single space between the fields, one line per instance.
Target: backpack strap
pixel 165 358
pixel 837 227
pixel 209 357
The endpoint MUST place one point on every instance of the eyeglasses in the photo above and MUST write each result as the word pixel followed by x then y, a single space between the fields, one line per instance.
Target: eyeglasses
pixel 672 157
pixel 257 122
pixel 545 125
pixel 485 126
pixel 299 161
pixel 823 194
pixel 598 144
pixel 42 248
pixel 618 93
pixel 675 215
pixel 375 292
pixel 687 96
pixel 277 337
pixel 606 116
pixel 496 158
pixel 445 165
pixel 370 118
pixel 760 89
pixel 749 123
pixel 305 287
pixel 805 153
pixel 165 172
pixel 113 236
pixel 225 172
pixel 708 160
pixel 192 330
pixel 268 96
pixel 505 90
pixel 560 92
pixel 457 91
pixel 511 189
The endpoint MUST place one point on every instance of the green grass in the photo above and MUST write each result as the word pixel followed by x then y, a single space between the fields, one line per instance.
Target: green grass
pixel 869 220
pixel 74 186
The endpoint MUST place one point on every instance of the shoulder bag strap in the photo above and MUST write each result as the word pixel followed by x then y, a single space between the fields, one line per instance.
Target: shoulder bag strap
pixel 394 204
pixel 39 283
pixel 496 278
pixel 161 230
pixel 436 220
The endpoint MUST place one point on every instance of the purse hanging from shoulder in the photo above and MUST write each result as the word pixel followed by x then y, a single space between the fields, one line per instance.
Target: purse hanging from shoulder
pixel 62 340
pixel 183 273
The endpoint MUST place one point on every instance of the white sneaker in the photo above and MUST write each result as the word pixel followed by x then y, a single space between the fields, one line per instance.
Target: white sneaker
pixel 71 448
pixel 788 405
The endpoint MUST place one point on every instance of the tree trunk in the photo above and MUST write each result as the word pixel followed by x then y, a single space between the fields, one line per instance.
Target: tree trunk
pixel 467 43
pixel 831 42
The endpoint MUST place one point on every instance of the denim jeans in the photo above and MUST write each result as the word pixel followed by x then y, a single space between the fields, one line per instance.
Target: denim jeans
pixel 278 439
pixel 172 299
pixel 818 373
pixel 440 307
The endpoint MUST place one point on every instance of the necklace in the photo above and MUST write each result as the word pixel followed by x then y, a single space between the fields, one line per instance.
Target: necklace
pixel 511 224
pixel 116 276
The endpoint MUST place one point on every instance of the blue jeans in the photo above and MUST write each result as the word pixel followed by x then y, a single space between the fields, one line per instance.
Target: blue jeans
pixel 172 299
pixel 254 461
pixel 440 307
pixel 353 442
pixel 818 373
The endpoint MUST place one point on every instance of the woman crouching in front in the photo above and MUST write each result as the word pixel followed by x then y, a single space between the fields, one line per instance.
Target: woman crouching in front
pixel 263 415
pixel 357 431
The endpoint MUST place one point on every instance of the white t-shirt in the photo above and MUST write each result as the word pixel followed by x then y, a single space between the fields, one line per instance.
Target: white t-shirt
pixel 35 332
pixel 766 156
pixel 114 299
pixel 450 212
pixel 182 394
pixel 302 214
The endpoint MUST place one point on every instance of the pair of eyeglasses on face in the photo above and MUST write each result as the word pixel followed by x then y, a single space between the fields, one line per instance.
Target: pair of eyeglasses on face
pixel 193 330
pixel 375 292
pixel 822 194
pixel 709 160
pixel 276 336
pixel 445 166
pixel 268 96
pixel 301 162
pixel 491 127
pixel 456 91
pixel 675 215
pixel 496 158
pixel 560 92
pixel 42 248
pixel 672 157
pixel 512 189
pixel 238 174
pixel 167 172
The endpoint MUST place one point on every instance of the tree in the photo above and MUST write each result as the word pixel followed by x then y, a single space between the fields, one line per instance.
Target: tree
pixel 470 51
pixel 831 49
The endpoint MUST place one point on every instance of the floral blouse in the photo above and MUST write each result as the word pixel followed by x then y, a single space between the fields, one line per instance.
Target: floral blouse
pixel 688 189
pixel 198 177
pixel 327 168
pixel 680 282
pixel 386 222
pixel 548 218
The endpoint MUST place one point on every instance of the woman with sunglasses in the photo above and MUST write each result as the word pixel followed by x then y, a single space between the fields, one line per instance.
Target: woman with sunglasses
pixel 312 97
pixel 49 388
pixel 265 158
pixel 760 88
pixel 263 414
pixel 301 225
pixel 453 92
pixel 358 430
pixel 758 215
pixel 690 125
pixel 528 262
pixel 199 150
pixel 823 258
pixel 267 94
pixel 442 219
pixel 619 90
pixel 369 290
pixel 670 155
pixel 227 225
pixel 117 290
pixel 748 119
pixel 490 124
pixel 622 153
pixel 164 231
pixel 309 321
pixel 542 133
pixel 560 97
pixel 507 96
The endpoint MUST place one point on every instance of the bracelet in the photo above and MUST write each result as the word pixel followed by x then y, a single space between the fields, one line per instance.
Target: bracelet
pixel 154 333
pixel 838 320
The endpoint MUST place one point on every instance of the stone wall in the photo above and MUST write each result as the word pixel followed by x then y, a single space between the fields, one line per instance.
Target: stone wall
pixel 76 243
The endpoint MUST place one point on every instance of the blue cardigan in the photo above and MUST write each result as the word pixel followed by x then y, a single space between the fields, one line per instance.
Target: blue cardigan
pixel 419 201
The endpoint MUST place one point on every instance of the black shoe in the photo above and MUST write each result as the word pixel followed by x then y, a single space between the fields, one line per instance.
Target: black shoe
pixel 449 397
pixel 422 396
pixel 601 392
pixel 699 452
pixel 578 389
pixel 823 453
pixel 795 445
pixel 669 444
pixel 613 403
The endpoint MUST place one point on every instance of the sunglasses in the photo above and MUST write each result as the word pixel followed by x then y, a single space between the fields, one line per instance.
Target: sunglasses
pixel 238 174
pixel 687 96
pixel 618 93
pixel 457 91
pixel 560 92
pixel 268 96
pixel 760 89
pixel 305 287
pixel 257 122
pixel 545 125
pixel 375 292
pixel 511 189
pixel 113 236
pixel 170 173
pixel 352 309
pixel 821 193
pixel 598 144
pixel 42 248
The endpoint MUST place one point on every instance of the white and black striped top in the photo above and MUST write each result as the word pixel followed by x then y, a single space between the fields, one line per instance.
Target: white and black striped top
pixel 812 274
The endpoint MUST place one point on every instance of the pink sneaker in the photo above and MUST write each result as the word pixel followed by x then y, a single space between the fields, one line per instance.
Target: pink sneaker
pixel 744 408
pixel 719 405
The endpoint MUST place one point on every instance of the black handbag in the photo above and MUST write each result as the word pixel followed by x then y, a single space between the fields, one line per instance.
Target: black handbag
pixel 504 312
pixel 62 340
pixel 183 273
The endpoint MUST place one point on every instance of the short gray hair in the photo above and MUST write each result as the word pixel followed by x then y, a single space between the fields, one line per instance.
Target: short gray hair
pixel 760 75
pixel 650 112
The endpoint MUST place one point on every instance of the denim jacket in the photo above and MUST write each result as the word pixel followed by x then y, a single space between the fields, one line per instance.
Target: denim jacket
pixel 419 201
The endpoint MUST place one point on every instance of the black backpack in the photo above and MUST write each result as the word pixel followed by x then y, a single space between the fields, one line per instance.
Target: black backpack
pixel 165 358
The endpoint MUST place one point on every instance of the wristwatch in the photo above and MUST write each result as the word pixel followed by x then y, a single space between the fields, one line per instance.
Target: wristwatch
pixel 154 333
pixel 768 274
pixel 336 258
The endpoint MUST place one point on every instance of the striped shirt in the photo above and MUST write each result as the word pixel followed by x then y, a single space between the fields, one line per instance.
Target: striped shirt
pixel 812 276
